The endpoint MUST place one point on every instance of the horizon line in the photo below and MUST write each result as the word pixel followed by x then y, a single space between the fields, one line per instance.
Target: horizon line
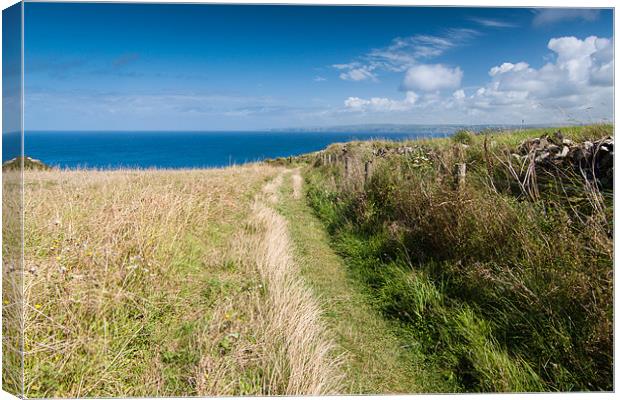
pixel 310 128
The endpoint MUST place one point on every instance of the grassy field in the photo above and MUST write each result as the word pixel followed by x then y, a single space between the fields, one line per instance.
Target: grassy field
pixel 145 283
pixel 126 272
pixel 379 274
pixel 12 282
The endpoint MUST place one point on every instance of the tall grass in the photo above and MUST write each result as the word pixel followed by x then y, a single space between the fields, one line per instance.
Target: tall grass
pixel 166 283
pixel 510 291
pixel 124 270
pixel 294 325
pixel 12 282
pixel 291 352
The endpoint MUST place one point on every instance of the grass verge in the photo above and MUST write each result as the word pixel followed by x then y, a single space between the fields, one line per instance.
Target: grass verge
pixel 377 359
pixel 505 291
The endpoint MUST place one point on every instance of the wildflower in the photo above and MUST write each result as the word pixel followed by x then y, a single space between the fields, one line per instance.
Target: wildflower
pixel 37 306
pixel 5 302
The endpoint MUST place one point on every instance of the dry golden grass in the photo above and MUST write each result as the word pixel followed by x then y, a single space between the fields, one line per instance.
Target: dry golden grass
pixel 302 352
pixel 166 283
pixel 123 269
pixel 297 184
pixel 12 282
pixel 290 352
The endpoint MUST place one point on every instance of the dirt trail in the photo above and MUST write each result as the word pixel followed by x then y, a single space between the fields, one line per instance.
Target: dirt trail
pixel 300 350
pixel 297 184
pixel 374 360
pixel 309 330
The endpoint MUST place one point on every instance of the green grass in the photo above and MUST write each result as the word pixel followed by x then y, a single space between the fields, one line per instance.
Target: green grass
pixel 504 292
pixel 378 358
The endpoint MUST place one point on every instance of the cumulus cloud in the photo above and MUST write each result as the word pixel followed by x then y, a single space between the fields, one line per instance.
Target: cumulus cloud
pixel 432 77
pixel 580 78
pixel 550 16
pixel 381 104
pixel 580 66
pixel 505 67
pixel 577 85
pixel 459 94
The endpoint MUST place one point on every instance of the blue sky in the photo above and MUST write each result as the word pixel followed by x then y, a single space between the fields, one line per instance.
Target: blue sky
pixel 217 67
pixel 11 75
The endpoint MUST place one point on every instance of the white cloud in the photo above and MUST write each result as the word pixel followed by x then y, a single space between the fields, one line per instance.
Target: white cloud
pixel 575 86
pixel 493 23
pixel 355 103
pixel 580 78
pixel 381 104
pixel 579 66
pixel 359 74
pixel 505 67
pixel 319 79
pixel 346 66
pixel 550 16
pixel 403 53
pixel 432 77
pixel 459 94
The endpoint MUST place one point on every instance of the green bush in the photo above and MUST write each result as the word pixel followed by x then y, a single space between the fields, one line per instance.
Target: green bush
pixel 463 136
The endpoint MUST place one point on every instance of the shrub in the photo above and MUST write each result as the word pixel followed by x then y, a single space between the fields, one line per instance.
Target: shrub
pixel 463 136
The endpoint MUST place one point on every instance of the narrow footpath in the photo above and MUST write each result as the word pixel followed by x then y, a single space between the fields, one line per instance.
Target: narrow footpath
pixel 374 359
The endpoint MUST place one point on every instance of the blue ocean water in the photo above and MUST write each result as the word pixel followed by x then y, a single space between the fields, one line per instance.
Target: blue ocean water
pixel 181 149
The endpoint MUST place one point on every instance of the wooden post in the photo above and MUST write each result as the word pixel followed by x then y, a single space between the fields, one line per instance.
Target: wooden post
pixel 346 166
pixel 367 171
pixel 460 171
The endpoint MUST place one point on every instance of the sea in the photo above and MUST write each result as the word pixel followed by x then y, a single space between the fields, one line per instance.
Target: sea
pixel 173 150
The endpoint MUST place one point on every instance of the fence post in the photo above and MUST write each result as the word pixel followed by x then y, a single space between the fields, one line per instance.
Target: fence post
pixel 346 166
pixel 367 170
pixel 460 171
